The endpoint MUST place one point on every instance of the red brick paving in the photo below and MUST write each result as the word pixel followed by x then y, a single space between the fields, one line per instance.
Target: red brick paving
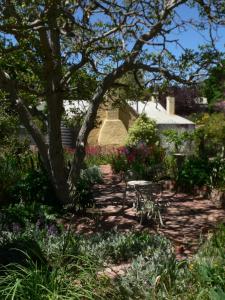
pixel 187 218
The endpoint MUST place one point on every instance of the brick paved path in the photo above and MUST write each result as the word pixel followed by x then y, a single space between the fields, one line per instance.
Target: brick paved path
pixel 187 219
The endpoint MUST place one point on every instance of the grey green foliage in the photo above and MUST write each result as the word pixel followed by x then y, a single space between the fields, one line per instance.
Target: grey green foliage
pixel 92 175
pixel 74 264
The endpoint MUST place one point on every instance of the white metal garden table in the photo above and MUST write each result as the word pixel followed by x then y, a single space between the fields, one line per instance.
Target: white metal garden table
pixel 145 195
pixel 141 188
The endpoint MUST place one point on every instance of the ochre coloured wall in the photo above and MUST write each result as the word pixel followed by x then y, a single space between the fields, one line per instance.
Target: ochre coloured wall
pixel 127 115
pixel 113 132
pixel 112 125
pixel 93 136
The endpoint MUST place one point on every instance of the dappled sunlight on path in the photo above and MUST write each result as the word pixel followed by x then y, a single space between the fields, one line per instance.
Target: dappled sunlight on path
pixel 187 219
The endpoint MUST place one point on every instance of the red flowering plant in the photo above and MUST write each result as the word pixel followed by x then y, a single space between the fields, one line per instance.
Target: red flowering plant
pixel 119 160
pixel 142 151
pixel 139 160
pixel 98 155
pixel 144 158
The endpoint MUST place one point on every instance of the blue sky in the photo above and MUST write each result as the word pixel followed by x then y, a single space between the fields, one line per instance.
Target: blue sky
pixel 193 38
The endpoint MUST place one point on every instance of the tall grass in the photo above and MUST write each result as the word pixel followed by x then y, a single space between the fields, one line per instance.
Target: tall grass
pixel 76 280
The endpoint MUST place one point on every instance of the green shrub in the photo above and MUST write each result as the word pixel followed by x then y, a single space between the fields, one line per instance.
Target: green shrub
pixel 12 168
pixel 195 171
pixel 82 194
pixel 170 166
pixel 24 213
pixel 119 161
pixel 33 185
pixel 28 221
pixel 198 171
pixel 210 134
pixel 144 131
pixel 177 139
pixel 205 277
pixel 141 161
pixel 23 178
pixel 92 175
pixel 217 174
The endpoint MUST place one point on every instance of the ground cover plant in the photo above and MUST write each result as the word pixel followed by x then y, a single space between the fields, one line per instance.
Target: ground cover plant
pixel 204 277
pixel 71 262
pixel 48 261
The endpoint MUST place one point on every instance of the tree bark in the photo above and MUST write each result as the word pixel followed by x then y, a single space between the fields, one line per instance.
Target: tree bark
pixel 56 152
pixel 52 69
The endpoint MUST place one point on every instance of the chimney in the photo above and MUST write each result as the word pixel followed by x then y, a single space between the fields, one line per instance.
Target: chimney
pixel 170 105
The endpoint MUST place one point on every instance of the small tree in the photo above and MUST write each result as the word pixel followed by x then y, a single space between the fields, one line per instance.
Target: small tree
pixel 144 130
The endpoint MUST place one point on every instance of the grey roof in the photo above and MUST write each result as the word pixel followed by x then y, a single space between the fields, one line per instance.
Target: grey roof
pixel 157 112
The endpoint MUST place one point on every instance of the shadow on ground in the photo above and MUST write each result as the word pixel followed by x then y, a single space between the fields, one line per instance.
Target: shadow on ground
pixel 187 219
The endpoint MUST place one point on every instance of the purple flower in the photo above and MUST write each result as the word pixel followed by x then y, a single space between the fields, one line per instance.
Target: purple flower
pixel 16 227
pixel 52 230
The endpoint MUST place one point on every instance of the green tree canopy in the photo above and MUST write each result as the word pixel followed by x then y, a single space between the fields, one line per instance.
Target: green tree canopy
pixel 52 48
pixel 214 86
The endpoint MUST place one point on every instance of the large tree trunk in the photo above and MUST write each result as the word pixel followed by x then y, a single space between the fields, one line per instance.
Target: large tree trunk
pixel 56 154
pixel 52 69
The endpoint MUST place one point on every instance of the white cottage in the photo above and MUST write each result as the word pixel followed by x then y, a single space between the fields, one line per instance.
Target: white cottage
pixel 166 119
pixel 112 124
